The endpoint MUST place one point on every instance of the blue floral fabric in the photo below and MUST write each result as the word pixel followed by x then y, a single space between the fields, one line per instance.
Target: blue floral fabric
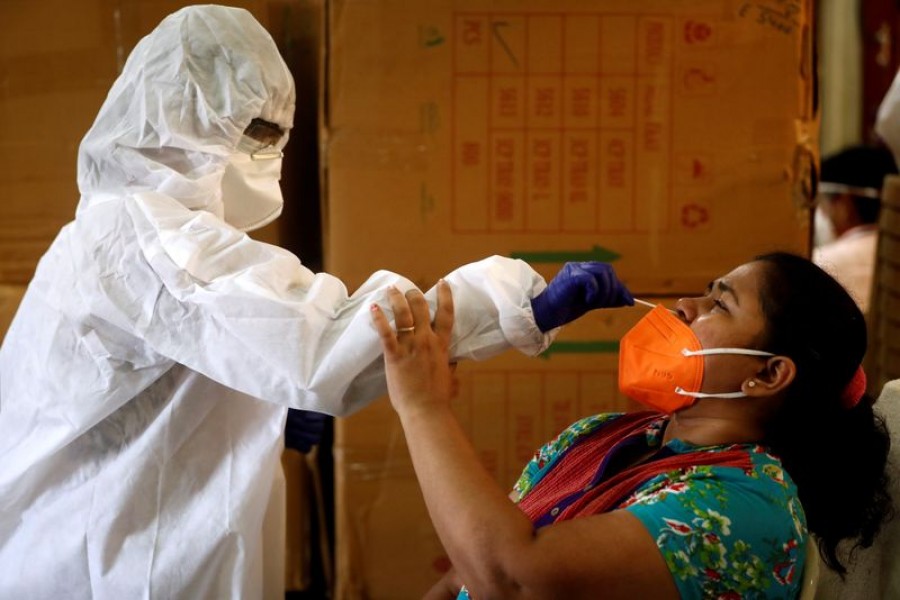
pixel 725 533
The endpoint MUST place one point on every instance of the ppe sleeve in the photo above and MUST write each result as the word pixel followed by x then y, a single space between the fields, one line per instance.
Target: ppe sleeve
pixel 250 316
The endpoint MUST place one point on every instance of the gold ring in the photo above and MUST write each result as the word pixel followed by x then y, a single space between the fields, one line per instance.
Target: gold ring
pixel 405 329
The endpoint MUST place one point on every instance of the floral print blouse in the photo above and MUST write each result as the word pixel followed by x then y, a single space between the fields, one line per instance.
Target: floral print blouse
pixel 725 532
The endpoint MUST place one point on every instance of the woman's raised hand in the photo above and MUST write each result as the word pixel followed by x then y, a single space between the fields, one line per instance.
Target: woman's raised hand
pixel 416 358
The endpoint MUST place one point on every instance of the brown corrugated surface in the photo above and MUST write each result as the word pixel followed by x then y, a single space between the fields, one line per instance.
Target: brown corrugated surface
pixel 883 359
pixel 10 296
pixel 674 138
pixel 673 135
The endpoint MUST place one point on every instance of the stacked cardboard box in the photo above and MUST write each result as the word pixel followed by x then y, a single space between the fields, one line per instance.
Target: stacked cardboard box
pixel 674 138
pixel 883 358
pixel 10 296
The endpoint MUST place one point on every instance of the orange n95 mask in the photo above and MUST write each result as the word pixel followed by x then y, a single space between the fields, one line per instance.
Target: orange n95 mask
pixel 661 363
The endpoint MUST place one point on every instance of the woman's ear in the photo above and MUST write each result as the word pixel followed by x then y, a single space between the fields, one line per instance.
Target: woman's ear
pixel 772 379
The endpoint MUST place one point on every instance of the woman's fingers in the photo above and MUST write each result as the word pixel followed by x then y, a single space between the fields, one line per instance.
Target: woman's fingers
pixel 415 352
pixel 385 331
pixel 419 308
pixel 403 318
pixel 412 315
pixel 443 317
pixel 407 316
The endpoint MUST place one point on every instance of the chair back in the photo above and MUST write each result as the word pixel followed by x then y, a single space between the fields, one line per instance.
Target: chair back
pixel 810 571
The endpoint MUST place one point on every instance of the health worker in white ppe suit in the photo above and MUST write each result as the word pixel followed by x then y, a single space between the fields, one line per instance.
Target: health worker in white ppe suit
pixel 145 379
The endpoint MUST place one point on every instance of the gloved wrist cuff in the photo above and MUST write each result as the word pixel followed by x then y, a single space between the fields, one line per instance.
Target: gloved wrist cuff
pixel 543 315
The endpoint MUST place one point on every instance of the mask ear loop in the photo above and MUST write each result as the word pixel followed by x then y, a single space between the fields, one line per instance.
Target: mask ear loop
pixel 745 351
pixel 681 391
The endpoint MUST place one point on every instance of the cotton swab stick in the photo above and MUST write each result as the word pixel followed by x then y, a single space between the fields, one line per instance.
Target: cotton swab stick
pixel 651 305
pixel 644 302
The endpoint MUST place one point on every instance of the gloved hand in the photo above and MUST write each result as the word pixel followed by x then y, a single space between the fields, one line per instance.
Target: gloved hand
pixel 576 289
pixel 303 429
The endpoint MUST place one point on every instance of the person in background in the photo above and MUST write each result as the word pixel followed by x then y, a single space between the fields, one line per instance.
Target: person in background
pixel 146 378
pixel 875 571
pixel 759 427
pixel 846 216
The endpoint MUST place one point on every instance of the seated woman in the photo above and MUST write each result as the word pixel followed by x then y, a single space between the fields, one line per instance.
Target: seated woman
pixel 759 429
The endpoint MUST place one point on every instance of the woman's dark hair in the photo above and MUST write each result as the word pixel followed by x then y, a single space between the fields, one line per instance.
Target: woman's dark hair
pixel 835 455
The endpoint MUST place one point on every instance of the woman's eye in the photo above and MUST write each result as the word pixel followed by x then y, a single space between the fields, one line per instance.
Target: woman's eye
pixel 721 304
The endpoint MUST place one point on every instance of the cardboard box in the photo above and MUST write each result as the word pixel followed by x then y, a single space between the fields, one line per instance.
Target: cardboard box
pixel 882 362
pixel 10 297
pixel 674 138
pixel 671 136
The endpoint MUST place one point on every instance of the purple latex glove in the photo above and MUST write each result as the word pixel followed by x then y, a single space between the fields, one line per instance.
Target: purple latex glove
pixel 303 429
pixel 576 289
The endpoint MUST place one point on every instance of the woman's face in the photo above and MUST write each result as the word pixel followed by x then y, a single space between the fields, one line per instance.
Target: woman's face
pixel 729 315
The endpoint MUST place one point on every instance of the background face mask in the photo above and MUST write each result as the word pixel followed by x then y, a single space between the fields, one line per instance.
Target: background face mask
pixel 251 194
pixel 661 363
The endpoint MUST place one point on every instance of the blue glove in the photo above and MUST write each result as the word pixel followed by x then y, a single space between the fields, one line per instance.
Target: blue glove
pixel 303 429
pixel 576 289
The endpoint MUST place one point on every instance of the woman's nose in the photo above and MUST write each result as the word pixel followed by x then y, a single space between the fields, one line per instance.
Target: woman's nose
pixel 688 309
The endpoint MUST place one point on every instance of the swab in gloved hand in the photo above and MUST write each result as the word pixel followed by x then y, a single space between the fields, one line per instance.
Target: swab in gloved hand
pixel 576 289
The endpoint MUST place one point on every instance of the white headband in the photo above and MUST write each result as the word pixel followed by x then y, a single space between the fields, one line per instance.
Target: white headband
pixel 827 187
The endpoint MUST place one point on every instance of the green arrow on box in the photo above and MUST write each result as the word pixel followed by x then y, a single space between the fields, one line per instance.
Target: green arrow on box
pixel 587 347
pixel 597 253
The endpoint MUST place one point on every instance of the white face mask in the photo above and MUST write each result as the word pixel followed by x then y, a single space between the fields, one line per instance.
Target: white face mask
pixel 251 195
pixel 823 229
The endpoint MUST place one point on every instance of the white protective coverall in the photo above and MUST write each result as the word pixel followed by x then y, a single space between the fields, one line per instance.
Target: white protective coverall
pixel 145 379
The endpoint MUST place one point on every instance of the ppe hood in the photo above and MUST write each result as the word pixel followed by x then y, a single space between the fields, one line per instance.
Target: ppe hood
pixel 178 111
